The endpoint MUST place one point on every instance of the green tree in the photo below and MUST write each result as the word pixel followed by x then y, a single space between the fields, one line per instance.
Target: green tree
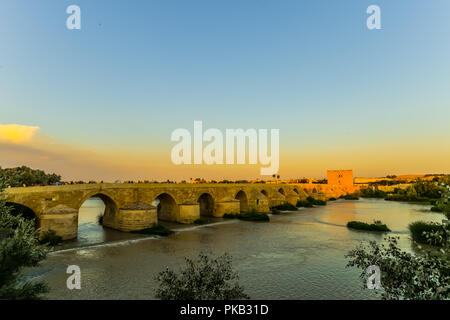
pixel 16 177
pixel 19 248
pixel 202 279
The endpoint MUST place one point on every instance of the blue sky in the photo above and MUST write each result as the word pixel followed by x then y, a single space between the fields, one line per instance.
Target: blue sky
pixel 137 70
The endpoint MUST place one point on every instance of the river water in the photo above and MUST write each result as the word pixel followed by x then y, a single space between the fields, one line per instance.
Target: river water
pixel 298 255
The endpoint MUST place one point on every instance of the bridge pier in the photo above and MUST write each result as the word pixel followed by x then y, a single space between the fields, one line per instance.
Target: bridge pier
pixel 132 217
pixel 188 212
pixel 227 205
pixel 61 219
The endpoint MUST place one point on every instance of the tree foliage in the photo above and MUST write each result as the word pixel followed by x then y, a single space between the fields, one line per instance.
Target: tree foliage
pixel 202 279
pixel 17 177
pixel 19 248
pixel 404 275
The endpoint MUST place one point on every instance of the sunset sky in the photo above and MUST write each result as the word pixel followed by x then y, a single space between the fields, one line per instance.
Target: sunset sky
pixel 101 102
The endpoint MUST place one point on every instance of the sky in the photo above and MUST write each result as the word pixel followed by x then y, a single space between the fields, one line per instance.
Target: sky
pixel 101 102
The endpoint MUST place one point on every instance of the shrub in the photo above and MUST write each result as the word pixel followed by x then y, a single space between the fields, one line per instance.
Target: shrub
pixel 254 217
pixel 316 202
pixel 304 203
pixel 201 221
pixel 420 230
pixel 332 199
pixel 404 276
pixel 275 211
pixel 436 209
pixel 372 193
pixel 230 216
pixel 19 248
pixel 351 197
pixel 202 279
pixel 158 230
pixel 286 207
pixel 50 237
pixel 376 226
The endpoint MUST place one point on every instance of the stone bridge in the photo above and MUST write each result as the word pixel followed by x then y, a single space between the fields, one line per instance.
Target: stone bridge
pixel 130 207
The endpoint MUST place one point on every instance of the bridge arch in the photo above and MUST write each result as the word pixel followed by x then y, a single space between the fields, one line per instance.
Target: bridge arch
pixel 24 211
pixel 281 190
pixel 264 192
pixel 242 197
pixel 295 190
pixel 167 207
pixel 110 211
pixel 206 204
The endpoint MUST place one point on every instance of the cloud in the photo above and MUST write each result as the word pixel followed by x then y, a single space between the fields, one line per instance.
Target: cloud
pixel 17 133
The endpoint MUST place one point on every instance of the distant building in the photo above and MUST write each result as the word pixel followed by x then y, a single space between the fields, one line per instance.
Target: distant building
pixel 340 177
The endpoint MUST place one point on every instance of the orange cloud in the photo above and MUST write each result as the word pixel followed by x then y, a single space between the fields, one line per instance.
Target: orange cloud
pixel 17 133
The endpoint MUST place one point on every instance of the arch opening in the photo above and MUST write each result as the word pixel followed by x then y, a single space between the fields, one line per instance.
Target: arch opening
pixel 27 213
pixel 295 190
pixel 206 203
pixel 96 212
pixel 264 192
pixel 281 191
pixel 242 197
pixel 166 206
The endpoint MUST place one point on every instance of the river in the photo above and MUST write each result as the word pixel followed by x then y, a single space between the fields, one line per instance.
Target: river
pixel 298 255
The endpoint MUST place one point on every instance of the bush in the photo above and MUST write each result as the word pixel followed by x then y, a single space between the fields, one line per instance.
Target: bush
pixel 275 211
pixel 304 203
pixel 372 193
pixel 420 229
pixel 404 276
pixel 316 202
pixel 405 197
pixel 201 279
pixel 376 226
pixel 332 199
pixel 230 216
pixel 254 217
pixel 19 248
pixel 201 221
pixel 351 197
pixel 158 230
pixel 286 207
pixel 50 237
pixel 436 209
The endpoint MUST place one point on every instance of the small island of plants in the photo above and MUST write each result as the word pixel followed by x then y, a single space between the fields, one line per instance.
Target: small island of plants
pixel 376 226
pixel 157 230
pixel 251 215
